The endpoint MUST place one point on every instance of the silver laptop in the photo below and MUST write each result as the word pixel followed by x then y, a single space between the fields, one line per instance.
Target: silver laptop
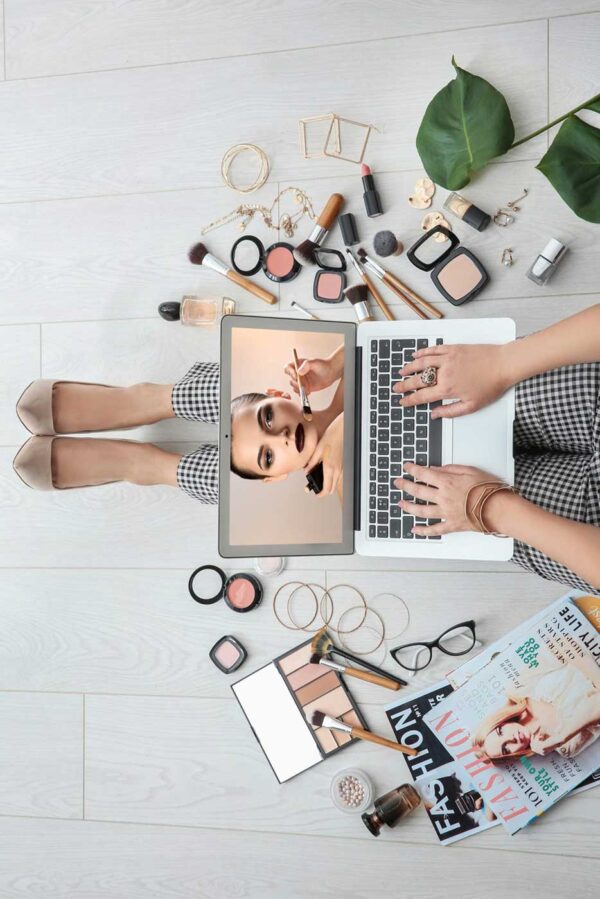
pixel 270 440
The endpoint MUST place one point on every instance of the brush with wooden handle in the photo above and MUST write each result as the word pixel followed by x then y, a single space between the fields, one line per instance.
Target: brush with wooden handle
pixel 372 289
pixel 305 251
pixel 320 719
pixel 322 645
pixel 368 676
pixel 408 296
pixel 199 255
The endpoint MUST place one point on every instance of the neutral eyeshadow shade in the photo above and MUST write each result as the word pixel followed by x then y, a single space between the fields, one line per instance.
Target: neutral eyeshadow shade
pixel 296 659
pixel 460 276
pixel 335 703
pixel 329 285
pixel 326 739
pixel 305 675
pixel 342 737
pixel 318 687
pixel 227 654
pixel 352 719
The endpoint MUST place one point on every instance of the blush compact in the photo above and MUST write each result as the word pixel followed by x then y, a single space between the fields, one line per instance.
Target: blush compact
pixel 330 280
pixel 228 654
pixel 248 256
pixel 208 584
pixel 456 272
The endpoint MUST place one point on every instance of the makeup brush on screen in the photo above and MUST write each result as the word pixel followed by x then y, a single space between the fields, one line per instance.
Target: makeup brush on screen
pixel 408 296
pixel 322 645
pixel 199 255
pixel 372 289
pixel 378 679
pixel 304 252
pixel 320 719
pixel 306 410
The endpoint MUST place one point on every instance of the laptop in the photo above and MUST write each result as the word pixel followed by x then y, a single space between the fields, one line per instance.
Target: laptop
pixel 270 501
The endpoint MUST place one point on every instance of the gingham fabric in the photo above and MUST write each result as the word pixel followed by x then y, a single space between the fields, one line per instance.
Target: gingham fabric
pixel 557 455
pixel 196 397
pixel 556 437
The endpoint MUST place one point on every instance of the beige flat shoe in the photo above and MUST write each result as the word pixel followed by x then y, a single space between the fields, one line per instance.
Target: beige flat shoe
pixel 34 408
pixel 33 463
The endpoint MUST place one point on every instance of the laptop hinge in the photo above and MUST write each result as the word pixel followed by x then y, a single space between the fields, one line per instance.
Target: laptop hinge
pixel 357 435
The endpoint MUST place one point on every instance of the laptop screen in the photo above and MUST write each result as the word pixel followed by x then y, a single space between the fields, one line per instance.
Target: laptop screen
pixel 286 435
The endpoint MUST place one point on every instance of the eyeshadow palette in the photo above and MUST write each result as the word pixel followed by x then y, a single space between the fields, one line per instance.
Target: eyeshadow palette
pixel 278 701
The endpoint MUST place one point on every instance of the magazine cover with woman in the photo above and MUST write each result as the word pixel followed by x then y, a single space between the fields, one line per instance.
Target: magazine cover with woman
pixel 524 727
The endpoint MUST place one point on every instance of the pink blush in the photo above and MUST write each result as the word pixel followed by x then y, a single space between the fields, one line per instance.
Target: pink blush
pixel 329 285
pixel 241 593
pixel 227 654
pixel 280 262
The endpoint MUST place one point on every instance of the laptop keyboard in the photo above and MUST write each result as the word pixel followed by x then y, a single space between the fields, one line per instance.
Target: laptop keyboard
pixel 397 435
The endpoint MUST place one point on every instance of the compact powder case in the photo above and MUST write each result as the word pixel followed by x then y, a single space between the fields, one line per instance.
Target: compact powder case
pixel 208 584
pixel 228 654
pixel 456 272
pixel 248 256
pixel 330 280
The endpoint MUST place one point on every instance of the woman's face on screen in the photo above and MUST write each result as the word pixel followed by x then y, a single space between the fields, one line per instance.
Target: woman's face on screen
pixel 271 439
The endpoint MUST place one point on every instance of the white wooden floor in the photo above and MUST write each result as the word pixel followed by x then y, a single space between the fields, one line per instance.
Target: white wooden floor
pixel 126 769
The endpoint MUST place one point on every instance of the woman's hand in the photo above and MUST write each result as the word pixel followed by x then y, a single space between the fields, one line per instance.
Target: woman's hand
pixel 473 374
pixel 444 490
pixel 316 374
pixel 330 451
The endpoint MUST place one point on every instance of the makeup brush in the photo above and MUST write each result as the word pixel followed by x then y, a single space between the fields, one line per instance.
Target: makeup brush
pixel 304 252
pixel 320 719
pixel 304 311
pixel 372 289
pixel 371 678
pixel 199 255
pixel 357 296
pixel 323 645
pixel 306 410
pixel 407 295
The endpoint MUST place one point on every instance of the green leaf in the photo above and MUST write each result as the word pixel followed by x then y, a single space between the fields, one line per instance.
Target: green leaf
pixel 572 166
pixel 466 124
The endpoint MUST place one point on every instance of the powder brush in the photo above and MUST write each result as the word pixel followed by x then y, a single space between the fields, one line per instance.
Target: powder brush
pixel 372 289
pixel 306 410
pixel 408 296
pixel 322 645
pixel 320 719
pixel 305 251
pixel 199 255
pixel 368 676
pixel 357 296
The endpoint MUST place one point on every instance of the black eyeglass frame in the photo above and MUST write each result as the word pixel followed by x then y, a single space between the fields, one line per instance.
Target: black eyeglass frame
pixel 435 644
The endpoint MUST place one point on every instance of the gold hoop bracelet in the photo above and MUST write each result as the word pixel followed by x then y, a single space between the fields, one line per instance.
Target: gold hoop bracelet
pixel 277 615
pixel 306 627
pixel 357 652
pixel 233 153
pixel 336 630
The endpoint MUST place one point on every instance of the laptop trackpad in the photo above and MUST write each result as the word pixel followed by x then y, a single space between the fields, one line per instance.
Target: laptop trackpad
pixel 481 439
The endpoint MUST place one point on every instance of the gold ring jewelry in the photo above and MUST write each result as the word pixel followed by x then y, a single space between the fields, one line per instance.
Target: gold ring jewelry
pixel 429 376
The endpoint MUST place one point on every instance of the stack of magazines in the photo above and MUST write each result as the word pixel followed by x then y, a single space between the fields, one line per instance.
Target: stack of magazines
pixel 513 730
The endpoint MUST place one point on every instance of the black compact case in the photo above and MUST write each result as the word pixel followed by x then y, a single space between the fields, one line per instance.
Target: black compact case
pixel 457 288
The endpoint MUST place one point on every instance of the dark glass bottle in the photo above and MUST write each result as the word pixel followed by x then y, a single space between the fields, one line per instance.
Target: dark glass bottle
pixel 391 808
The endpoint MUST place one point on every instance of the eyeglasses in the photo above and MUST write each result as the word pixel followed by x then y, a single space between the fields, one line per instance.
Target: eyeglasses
pixel 456 641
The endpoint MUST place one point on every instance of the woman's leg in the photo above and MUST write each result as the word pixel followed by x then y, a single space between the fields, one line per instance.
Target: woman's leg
pixel 90 461
pixel 93 407
pixel 559 410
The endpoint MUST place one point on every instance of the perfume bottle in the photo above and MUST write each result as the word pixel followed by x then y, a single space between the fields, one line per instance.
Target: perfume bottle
pixel 202 312
pixel 391 808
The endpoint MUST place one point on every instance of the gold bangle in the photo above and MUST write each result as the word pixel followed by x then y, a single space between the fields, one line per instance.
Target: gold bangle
pixel 475 515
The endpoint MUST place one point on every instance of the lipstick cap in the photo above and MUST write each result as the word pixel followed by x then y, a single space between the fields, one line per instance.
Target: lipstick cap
pixel 348 229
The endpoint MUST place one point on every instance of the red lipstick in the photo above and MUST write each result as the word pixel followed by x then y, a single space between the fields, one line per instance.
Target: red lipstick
pixel 370 196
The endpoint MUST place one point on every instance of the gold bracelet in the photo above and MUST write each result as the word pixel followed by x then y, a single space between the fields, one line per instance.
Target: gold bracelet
pixel 475 515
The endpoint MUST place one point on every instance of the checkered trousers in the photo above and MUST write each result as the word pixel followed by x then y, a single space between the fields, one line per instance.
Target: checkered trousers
pixel 556 437
pixel 557 455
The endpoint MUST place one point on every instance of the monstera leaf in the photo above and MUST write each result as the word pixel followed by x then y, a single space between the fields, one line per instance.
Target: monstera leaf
pixel 572 166
pixel 466 124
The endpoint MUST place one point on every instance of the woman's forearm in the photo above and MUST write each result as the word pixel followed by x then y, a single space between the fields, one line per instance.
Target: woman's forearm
pixel 571 543
pixel 576 339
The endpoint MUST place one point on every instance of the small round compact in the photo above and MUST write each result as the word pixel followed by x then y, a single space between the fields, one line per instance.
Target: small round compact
pixel 248 256
pixel 208 584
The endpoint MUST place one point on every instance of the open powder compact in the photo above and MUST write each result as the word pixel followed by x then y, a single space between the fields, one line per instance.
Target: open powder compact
pixel 208 584
pixel 228 654
pixel 456 272
pixel 248 256
pixel 330 280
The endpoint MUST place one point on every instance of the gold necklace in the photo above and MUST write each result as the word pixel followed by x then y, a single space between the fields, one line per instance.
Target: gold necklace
pixel 287 222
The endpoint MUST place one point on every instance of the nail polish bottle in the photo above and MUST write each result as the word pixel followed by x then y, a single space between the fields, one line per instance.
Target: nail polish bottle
pixel 546 263
pixel 198 311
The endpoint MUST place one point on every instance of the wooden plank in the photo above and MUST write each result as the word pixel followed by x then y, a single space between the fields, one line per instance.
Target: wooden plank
pixel 19 365
pixel 138 631
pixel 75 38
pixel 69 860
pixel 41 760
pixel 185 762
pixel 113 145
pixel 574 45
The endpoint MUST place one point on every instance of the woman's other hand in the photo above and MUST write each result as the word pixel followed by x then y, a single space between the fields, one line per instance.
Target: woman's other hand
pixel 330 451
pixel 473 374
pixel 317 374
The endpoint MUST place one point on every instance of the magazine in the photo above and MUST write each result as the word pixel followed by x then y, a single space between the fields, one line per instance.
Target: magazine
pixel 453 804
pixel 523 725
pixel 406 720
